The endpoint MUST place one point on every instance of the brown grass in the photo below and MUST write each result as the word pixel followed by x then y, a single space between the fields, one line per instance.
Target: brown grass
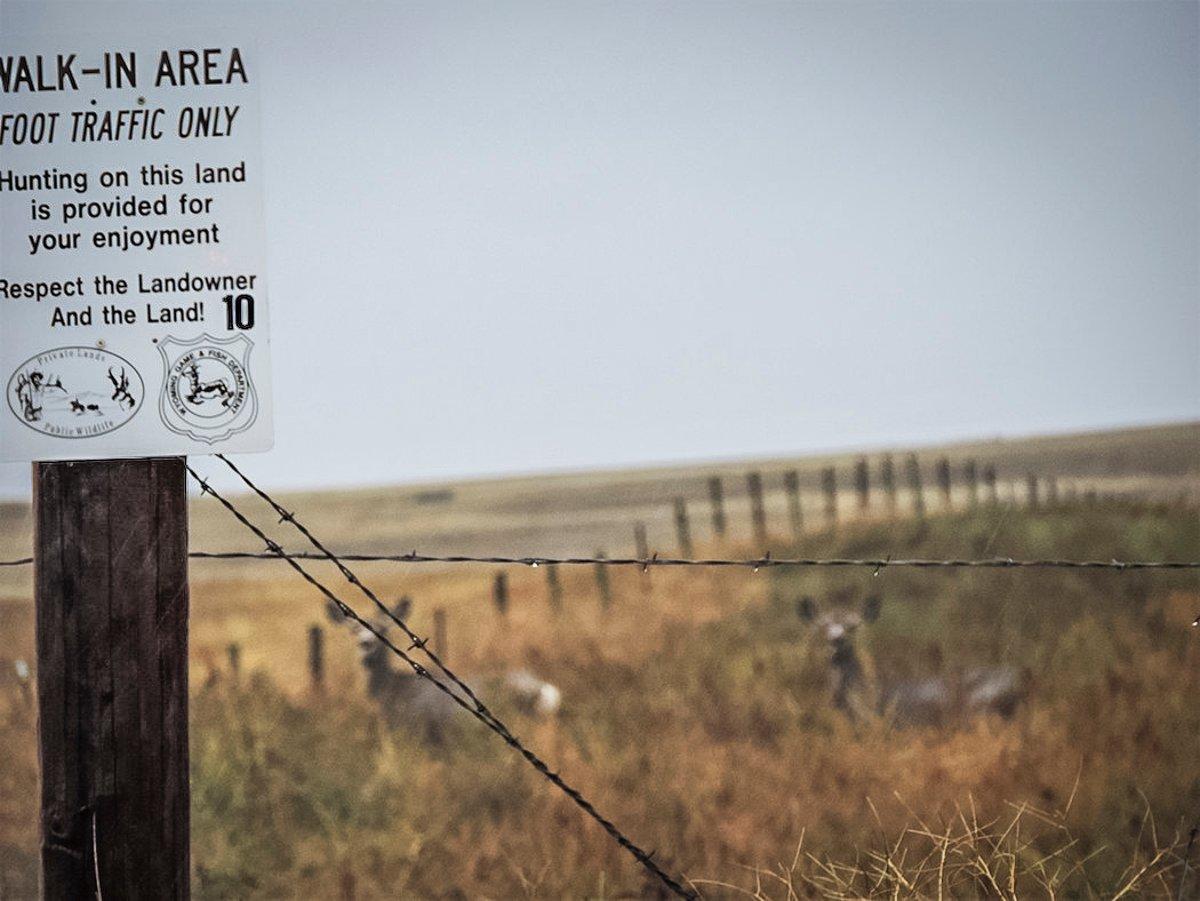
pixel 696 717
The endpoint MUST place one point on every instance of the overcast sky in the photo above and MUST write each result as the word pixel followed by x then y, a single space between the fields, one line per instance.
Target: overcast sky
pixel 526 236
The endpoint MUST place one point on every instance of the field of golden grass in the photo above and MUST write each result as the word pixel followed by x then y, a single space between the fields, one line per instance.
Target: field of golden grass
pixel 696 710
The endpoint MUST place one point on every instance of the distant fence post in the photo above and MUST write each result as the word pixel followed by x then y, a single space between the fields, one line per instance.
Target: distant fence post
pixel 791 485
pixel 971 477
pixel 989 480
pixel 1031 491
pixel 758 513
pixel 441 637
pixel 602 584
pixel 683 531
pixel 642 552
pixel 1051 492
pixel 913 468
pixel 862 484
pixel 716 498
pixel 829 488
pixel 887 478
pixel 316 659
pixel 943 480
pixel 554 587
pixel 234 653
pixel 641 545
pixel 500 593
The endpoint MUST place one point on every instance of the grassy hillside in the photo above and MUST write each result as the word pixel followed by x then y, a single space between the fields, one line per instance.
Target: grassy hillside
pixel 582 512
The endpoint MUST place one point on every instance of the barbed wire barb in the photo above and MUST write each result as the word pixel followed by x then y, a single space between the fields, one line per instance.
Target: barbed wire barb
pixel 474 707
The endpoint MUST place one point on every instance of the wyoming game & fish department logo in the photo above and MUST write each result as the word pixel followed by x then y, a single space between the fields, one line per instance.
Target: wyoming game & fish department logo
pixel 207 393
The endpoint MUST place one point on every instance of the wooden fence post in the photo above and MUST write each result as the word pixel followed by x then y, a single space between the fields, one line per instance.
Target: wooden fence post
pixel 1051 492
pixel 887 478
pixel 862 484
pixel 716 498
pixel 500 593
pixel 913 468
pixel 943 479
pixel 441 636
pixel 829 494
pixel 642 552
pixel 1031 491
pixel 758 513
pixel 971 477
pixel 554 587
pixel 316 659
pixel 602 584
pixel 111 589
pixel 829 487
pixel 791 484
pixel 641 545
pixel 683 530
pixel 234 653
pixel 989 479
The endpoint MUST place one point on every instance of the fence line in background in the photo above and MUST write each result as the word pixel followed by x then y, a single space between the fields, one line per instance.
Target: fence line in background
pixel 978 481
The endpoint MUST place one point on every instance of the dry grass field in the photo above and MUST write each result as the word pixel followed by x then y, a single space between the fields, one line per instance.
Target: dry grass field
pixel 696 708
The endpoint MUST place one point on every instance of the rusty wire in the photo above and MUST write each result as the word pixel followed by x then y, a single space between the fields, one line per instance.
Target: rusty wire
pixel 473 706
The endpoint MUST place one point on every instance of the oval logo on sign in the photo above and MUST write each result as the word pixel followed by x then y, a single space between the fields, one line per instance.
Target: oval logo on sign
pixel 75 392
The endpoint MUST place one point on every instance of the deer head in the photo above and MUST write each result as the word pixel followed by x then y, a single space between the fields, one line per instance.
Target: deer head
pixel 839 624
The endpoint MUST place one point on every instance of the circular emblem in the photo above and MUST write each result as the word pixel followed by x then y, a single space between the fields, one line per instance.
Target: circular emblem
pixel 207 392
pixel 75 392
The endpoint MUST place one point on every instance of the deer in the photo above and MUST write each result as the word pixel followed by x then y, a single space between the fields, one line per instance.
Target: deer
pixel 199 391
pixel 79 408
pixel 858 692
pixel 409 701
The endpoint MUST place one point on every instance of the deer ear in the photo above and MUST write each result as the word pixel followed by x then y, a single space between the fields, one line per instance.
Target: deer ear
pixel 402 608
pixel 806 608
pixel 333 612
pixel 871 607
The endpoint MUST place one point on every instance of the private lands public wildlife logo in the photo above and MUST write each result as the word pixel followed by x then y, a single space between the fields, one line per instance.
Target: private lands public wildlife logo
pixel 75 392
pixel 207 393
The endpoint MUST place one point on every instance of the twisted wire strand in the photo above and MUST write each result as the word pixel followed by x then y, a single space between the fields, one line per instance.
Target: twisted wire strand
pixel 475 708
pixel 764 562
pixel 326 554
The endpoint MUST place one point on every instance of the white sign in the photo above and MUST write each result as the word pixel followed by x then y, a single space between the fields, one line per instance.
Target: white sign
pixel 133 296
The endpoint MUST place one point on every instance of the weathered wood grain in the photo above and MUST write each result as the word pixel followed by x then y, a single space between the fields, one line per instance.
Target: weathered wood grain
pixel 112 607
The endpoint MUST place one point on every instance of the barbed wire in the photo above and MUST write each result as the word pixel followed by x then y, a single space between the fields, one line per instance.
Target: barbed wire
pixel 475 707
pixel 764 562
